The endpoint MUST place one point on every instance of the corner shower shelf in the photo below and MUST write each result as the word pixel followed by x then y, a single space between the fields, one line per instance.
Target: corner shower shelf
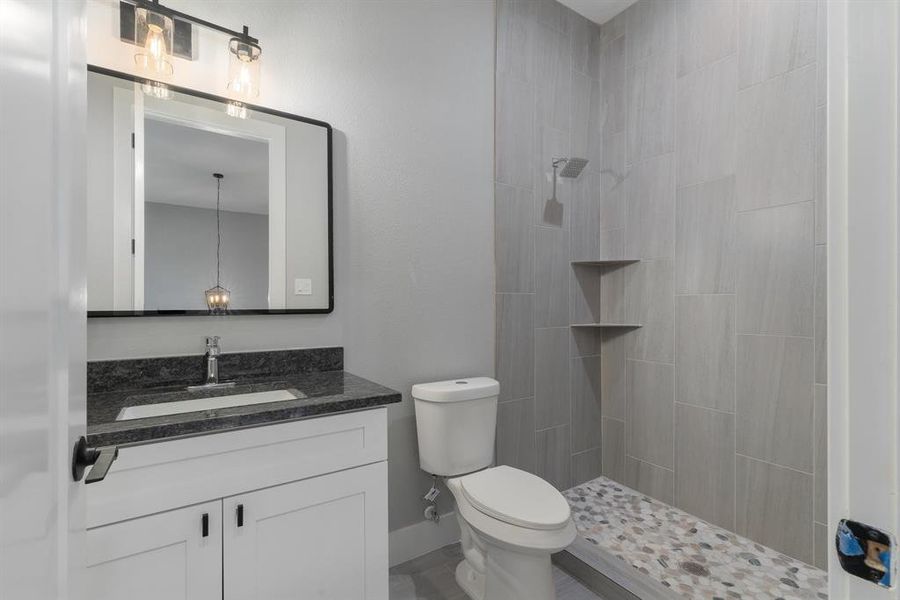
pixel 612 262
pixel 608 325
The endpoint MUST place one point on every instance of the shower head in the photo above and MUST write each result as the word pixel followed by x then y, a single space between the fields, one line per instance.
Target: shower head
pixel 573 166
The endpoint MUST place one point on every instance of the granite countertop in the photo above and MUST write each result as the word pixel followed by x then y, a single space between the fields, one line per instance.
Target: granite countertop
pixel 326 392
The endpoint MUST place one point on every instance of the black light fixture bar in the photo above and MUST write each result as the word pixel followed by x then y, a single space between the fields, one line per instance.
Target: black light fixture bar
pixel 155 6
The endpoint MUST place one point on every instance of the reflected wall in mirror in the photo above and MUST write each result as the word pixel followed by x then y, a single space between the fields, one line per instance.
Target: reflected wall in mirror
pixel 163 231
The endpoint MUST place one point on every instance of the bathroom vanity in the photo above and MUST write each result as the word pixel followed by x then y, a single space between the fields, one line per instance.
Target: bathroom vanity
pixel 265 500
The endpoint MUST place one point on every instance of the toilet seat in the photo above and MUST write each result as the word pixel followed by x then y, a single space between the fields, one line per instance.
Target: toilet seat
pixel 516 497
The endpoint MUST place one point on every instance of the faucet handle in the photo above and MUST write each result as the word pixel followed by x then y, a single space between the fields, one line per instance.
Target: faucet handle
pixel 212 344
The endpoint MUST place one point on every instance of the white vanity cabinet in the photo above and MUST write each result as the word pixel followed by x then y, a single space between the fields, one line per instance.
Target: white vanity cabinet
pixel 292 510
pixel 158 556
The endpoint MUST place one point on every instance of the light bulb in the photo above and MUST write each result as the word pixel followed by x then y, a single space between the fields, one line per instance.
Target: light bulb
pixel 154 56
pixel 243 69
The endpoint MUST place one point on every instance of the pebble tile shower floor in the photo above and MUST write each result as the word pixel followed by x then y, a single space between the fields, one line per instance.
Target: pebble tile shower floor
pixel 684 556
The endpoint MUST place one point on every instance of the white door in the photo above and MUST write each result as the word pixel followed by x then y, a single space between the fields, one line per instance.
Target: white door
pixel 175 555
pixel 863 277
pixel 324 537
pixel 42 296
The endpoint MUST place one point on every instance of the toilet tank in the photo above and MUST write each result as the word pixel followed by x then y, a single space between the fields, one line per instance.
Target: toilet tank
pixel 456 422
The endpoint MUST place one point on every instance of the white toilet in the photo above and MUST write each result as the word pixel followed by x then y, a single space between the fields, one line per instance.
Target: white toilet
pixel 510 521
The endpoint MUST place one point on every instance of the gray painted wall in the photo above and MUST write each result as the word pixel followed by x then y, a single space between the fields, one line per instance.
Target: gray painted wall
pixel 408 87
pixel 704 123
pixel 180 257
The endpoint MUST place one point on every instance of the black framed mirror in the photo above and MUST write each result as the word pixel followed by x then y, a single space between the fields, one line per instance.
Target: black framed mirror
pixel 198 205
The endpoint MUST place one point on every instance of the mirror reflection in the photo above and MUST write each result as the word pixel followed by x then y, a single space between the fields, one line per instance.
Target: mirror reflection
pixel 195 208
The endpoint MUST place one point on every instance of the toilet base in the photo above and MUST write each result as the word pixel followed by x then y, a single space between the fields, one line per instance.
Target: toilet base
pixel 493 572
pixel 470 580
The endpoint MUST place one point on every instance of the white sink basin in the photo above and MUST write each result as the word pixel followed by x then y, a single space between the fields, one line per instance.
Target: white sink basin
pixel 185 406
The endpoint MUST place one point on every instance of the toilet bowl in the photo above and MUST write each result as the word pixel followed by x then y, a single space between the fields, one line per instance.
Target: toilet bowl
pixel 510 521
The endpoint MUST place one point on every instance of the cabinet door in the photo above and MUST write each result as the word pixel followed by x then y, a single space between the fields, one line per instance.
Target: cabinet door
pixel 325 537
pixel 165 555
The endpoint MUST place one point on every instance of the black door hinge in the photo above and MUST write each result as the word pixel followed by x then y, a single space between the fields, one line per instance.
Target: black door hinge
pixel 132 245
pixel 132 140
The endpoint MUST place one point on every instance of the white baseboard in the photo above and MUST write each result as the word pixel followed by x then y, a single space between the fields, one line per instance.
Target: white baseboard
pixel 417 539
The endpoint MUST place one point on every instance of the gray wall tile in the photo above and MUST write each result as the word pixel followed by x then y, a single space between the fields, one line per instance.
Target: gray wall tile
pixel 608 104
pixel 774 507
pixel 820 500
pixel 514 144
pixel 613 449
pixel 775 271
pixel 650 102
pixel 650 211
pixel 650 407
pixel 705 122
pixel 707 31
pixel 551 302
pixel 821 182
pixel 820 324
pixel 584 296
pixel 705 351
pixel 650 301
pixel 821 52
pixel 704 464
pixel 612 295
pixel 649 28
pixel 551 388
pixel 553 77
pixel 776 141
pixel 590 209
pixel 775 36
pixel 553 456
pixel 581 31
pixel 515 38
pixel 612 182
pixel 586 465
pixel 612 375
pixel 514 239
pixel 515 345
pixel 586 399
pixel 586 129
pixel 650 479
pixel 823 544
pixel 775 400
pixel 515 434
pixel 705 238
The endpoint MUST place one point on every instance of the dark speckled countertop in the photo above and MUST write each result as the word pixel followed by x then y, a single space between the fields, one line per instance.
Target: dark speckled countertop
pixel 326 392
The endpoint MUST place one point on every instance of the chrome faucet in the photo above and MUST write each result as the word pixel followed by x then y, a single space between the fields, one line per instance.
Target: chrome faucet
pixel 212 367
pixel 212 360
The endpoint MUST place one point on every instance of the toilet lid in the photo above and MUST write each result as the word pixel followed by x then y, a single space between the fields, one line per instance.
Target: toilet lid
pixel 516 497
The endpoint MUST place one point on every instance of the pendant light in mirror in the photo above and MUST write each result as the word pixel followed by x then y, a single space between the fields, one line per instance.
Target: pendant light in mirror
pixel 217 297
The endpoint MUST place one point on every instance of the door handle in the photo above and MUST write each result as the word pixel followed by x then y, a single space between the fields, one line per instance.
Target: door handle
pixel 240 515
pixel 99 459
pixel 204 525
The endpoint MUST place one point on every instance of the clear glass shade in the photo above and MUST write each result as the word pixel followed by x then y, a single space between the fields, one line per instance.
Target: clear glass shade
pixel 153 33
pixel 243 69
pixel 218 299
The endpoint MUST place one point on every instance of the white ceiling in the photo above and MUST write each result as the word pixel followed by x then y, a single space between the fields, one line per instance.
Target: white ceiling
pixel 598 11
pixel 180 162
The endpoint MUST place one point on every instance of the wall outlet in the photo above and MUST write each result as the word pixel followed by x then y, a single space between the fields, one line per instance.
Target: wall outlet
pixel 303 287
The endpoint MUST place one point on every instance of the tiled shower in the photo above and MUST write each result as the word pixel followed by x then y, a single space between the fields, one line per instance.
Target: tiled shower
pixel 704 126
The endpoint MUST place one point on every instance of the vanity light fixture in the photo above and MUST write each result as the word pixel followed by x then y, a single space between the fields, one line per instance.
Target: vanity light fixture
pixel 161 33
pixel 155 28
pixel 218 297
pixel 243 66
